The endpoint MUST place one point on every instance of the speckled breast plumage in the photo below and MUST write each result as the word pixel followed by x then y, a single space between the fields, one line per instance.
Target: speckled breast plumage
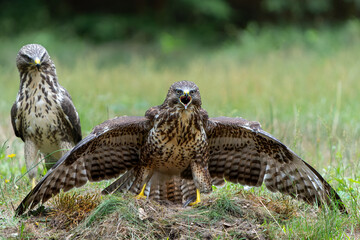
pixel 176 138
pixel 38 111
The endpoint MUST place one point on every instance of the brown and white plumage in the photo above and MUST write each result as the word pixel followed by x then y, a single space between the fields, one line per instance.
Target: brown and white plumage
pixel 43 115
pixel 241 152
pixel 176 149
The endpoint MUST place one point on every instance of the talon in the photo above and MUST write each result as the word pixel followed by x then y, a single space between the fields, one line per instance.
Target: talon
pixel 33 183
pixel 197 201
pixel 190 200
pixel 141 194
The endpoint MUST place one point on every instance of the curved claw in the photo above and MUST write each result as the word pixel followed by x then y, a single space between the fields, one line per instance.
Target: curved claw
pixel 191 202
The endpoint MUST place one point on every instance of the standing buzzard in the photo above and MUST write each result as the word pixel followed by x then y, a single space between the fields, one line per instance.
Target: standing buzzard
pixel 175 152
pixel 43 115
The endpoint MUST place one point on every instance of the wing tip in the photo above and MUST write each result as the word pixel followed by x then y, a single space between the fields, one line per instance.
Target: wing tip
pixel 20 210
pixel 23 206
pixel 333 199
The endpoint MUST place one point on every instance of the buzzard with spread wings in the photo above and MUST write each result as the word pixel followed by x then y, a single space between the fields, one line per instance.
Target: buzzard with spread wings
pixel 176 152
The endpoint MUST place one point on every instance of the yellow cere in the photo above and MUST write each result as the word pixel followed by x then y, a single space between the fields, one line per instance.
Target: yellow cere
pixel 37 61
pixel 11 155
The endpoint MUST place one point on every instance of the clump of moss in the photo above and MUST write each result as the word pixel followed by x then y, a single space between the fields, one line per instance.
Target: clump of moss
pixel 283 207
pixel 69 209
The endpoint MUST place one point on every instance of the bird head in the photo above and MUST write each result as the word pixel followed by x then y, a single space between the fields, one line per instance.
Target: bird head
pixel 32 57
pixel 184 95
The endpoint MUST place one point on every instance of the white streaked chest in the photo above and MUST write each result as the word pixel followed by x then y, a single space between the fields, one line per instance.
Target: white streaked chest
pixel 38 105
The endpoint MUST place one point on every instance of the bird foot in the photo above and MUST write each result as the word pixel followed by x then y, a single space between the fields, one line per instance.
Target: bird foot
pixel 141 194
pixel 191 202
pixel 194 203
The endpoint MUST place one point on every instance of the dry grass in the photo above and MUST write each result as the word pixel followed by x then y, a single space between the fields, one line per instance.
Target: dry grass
pixel 227 213
pixel 124 217
pixel 69 209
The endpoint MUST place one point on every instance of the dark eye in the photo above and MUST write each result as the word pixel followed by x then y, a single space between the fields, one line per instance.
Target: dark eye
pixel 42 58
pixel 179 91
pixel 26 57
pixel 192 91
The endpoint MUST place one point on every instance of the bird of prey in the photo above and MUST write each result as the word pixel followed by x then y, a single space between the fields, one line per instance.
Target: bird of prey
pixel 176 152
pixel 43 115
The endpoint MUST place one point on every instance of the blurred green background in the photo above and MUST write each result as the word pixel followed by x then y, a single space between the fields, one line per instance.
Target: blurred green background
pixel 208 21
pixel 292 65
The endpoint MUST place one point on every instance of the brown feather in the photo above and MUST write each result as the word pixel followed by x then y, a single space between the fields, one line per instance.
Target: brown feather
pixel 88 160
pixel 241 152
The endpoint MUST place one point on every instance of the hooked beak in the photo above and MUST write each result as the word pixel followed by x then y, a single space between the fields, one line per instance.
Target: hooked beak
pixel 37 63
pixel 185 99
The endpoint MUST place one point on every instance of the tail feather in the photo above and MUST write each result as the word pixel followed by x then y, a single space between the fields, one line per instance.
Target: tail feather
pixel 161 187
pixel 220 182
pixel 157 190
pixel 173 190
pixel 122 184
pixel 188 190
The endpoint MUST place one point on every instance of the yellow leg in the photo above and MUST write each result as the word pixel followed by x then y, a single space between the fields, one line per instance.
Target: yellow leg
pixel 141 194
pixel 33 183
pixel 197 198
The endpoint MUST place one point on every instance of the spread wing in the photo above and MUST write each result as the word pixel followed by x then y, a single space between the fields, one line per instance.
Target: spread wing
pixel 111 149
pixel 71 116
pixel 241 152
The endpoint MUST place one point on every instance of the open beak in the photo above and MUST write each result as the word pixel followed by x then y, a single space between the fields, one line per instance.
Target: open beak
pixel 185 99
pixel 37 63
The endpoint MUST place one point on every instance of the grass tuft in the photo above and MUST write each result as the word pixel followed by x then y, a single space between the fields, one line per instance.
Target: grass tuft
pixel 106 208
pixel 222 206
pixel 69 209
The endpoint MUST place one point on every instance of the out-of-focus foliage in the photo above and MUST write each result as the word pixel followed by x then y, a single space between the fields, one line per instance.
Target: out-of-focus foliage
pixel 319 10
pixel 147 20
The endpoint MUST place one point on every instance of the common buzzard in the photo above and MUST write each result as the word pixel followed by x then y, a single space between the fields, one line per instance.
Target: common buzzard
pixel 176 151
pixel 43 115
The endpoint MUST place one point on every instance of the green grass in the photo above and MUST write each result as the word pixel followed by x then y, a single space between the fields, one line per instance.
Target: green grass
pixel 302 85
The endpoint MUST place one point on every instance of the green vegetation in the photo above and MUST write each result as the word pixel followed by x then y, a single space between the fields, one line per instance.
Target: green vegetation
pixel 301 84
pixel 209 22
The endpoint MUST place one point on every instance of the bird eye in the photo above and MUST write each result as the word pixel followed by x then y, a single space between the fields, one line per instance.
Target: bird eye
pixel 42 58
pixel 179 91
pixel 192 91
pixel 26 57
